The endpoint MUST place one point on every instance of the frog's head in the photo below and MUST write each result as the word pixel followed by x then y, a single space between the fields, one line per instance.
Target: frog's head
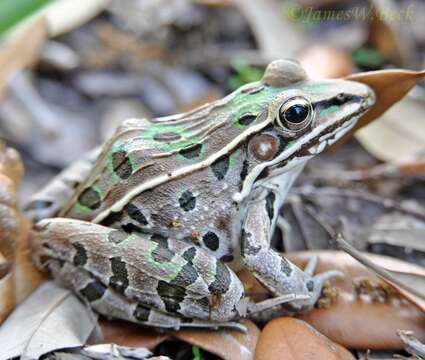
pixel 303 117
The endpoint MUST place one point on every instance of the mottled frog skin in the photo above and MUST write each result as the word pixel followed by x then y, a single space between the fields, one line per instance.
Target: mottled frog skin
pixel 154 228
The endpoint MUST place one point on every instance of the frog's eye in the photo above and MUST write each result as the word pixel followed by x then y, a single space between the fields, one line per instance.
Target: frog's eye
pixel 295 114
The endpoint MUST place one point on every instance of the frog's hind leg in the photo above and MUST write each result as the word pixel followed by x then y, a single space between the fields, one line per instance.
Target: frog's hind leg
pixel 50 200
pixel 112 304
pixel 174 279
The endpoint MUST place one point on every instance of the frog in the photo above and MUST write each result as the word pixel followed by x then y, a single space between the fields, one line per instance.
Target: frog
pixel 153 226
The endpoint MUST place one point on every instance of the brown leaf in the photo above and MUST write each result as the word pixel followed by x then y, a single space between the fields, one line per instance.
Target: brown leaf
pixel 7 296
pixel 409 285
pixel 21 51
pixel 390 86
pixel 375 322
pixel 407 138
pixel 293 339
pixel 10 163
pixel 228 344
pixel 132 335
pixel 14 230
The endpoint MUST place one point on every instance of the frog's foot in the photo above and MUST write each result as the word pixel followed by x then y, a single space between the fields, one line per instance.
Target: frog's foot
pixel 314 284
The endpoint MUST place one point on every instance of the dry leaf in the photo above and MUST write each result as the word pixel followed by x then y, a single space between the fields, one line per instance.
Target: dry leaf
pixel 392 38
pixel 51 318
pixel 390 86
pixel 410 285
pixel 375 322
pixel 10 225
pixel 293 339
pixel 10 163
pixel 403 127
pixel 21 50
pixel 228 344
pixel 14 231
pixel 129 334
pixel 7 296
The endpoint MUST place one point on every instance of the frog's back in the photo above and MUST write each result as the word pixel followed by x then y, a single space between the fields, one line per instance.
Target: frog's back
pixel 157 177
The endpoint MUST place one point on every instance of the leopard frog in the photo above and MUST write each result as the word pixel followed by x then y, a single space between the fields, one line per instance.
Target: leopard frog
pixel 153 227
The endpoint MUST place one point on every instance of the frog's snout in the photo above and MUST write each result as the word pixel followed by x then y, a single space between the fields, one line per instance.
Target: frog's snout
pixel 367 95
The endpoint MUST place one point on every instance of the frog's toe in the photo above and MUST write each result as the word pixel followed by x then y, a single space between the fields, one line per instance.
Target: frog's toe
pixel 310 268
pixel 315 285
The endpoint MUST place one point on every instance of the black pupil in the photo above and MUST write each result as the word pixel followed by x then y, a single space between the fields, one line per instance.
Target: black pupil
pixel 296 113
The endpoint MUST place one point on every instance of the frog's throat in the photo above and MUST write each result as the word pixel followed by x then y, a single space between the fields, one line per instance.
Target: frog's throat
pixel 164 178
pixel 323 136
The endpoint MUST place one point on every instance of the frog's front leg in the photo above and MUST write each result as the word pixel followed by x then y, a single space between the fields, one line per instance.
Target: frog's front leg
pixel 276 272
pixel 143 278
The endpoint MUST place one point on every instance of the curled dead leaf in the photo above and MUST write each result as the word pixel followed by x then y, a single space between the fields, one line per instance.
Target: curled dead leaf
pixel 21 277
pixel 390 86
pixel 297 340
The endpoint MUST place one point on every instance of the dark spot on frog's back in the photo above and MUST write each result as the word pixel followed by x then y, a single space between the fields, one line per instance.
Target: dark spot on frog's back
pixel 211 240
pixel 187 201
pixel 119 279
pixel 93 291
pixel 171 295
pixel 136 214
pixel 90 198
pixel 221 166
pixel 190 254
pixel 222 279
pixel 285 267
pixel 246 120
pixel 80 257
pixel 186 276
pixel 121 164
pixel 192 151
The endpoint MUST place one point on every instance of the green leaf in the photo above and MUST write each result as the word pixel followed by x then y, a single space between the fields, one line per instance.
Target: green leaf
pixel 13 12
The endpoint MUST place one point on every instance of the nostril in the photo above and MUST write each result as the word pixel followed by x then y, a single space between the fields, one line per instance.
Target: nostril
pixel 340 97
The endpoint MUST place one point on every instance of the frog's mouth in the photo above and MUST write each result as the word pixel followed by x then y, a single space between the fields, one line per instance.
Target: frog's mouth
pixel 306 147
